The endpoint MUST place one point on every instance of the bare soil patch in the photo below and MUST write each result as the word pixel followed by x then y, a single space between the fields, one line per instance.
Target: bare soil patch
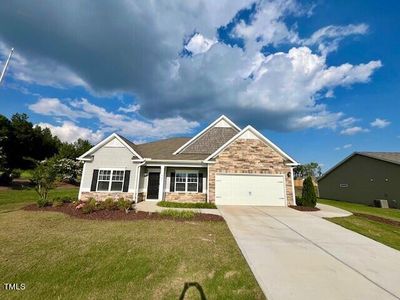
pixel 304 208
pixel 378 219
pixel 116 215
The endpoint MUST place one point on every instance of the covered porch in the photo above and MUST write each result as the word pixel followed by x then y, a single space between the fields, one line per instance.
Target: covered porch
pixel 173 182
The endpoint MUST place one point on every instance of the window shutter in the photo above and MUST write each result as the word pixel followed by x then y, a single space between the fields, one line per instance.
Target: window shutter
pixel 200 185
pixel 126 181
pixel 172 182
pixel 94 180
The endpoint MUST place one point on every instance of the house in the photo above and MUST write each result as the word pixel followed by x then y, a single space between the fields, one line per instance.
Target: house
pixel 363 177
pixel 223 164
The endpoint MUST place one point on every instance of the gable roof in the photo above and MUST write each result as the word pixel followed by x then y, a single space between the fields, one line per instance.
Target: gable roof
pixel 210 138
pixel 164 149
pixel 257 134
pixel 390 157
pixel 128 144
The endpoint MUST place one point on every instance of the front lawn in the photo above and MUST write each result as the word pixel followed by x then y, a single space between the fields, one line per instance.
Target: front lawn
pixel 390 213
pixel 58 256
pixel 377 230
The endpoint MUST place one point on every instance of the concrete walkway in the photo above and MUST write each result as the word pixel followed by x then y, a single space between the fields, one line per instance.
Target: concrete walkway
pixel 328 211
pixel 151 206
pixel 295 255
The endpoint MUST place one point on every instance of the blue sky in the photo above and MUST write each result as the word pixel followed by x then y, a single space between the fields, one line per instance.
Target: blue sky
pixel 319 78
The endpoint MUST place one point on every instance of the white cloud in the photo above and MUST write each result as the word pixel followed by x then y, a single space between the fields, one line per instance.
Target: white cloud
pixel 110 121
pixel 283 90
pixel 353 130
pixel 130 108
pixel 347 122
pixel 380 123
pixel 346 146
pixel 199 44
pixel 328 38
pixel 70 132
pixel 54 107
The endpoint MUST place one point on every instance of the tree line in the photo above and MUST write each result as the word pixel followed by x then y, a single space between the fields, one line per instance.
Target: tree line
pixel 23 146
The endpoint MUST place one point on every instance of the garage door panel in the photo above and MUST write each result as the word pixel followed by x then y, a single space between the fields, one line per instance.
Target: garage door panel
pixel 249 189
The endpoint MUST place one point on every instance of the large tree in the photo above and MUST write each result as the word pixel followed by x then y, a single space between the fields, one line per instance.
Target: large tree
pixel 311 169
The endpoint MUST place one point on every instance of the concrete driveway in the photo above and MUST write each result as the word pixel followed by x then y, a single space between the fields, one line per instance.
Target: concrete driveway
pixel 296 255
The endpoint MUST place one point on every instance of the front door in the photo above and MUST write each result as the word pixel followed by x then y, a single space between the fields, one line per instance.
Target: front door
pixel 153 185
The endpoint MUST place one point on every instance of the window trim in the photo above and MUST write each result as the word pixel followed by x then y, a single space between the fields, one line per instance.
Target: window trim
pixel 186 181
pixel 110 181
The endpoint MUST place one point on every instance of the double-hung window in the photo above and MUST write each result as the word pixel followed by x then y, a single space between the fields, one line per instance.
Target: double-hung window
pixel 110 180
pixel 186 181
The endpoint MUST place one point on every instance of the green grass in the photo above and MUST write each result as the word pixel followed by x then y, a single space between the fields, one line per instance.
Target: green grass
pixel 186 205
pixel 180 214
pixel 383 233
pixel 13 199
pixel 61 257
pixel 389 213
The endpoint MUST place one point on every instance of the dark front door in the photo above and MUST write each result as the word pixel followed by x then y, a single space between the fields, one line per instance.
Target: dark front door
pixel 152 186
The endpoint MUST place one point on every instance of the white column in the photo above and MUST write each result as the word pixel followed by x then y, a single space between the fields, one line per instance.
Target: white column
pixel 161 185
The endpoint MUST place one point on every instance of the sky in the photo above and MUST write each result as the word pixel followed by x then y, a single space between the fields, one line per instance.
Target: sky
pixel 318 78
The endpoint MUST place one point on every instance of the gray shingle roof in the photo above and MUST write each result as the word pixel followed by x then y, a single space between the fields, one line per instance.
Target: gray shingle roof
pixel 164 149
pixel 393 157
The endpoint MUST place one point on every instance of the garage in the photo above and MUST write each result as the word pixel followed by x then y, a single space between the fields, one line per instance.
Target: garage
pixel 250 189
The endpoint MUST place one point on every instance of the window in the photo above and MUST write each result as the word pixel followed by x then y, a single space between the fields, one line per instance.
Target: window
pixel 186 181
pixel 110 180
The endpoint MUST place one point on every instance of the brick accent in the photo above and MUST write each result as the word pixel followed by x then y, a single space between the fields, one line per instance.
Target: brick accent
pixel 249 156
pixel 185 197
pixel 141 197
pixel 101 196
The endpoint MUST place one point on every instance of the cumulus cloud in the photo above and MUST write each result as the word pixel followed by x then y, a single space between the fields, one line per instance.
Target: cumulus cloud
pixel 54 107
pixel 353 130
pixel 380 123
pixel 70 132
pixel 199 44
pixel 130 108
pixel 110 121
pixel 281 91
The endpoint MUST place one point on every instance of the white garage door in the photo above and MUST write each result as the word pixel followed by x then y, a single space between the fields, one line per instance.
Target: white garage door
pixel 249 189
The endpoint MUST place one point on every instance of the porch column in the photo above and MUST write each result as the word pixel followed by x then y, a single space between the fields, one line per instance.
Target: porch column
pixel 161 185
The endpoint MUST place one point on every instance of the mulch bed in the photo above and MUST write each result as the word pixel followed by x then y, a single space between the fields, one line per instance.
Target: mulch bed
pixel 378 219
pixel 304 208
pixel 116 215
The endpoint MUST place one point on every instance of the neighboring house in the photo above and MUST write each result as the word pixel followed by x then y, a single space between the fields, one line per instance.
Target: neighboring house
pixel 363 177
pixel 223 164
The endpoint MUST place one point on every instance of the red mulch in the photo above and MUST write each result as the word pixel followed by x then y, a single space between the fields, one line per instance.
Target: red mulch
pixel 70 209
pixel 304 208
pixel 378 219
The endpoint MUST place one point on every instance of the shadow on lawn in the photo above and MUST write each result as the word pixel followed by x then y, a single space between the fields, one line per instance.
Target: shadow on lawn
pixel 189 285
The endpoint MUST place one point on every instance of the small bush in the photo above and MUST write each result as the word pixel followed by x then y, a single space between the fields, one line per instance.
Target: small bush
pixel 43 202
pixel 309 197
pixel 90 206
pixel 109 204
pixel 124 204
pixel 186 204
pixel 299 201
pixel 179 214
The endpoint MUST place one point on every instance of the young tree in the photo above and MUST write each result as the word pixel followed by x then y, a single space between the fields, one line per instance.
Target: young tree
pixel 43 178
pixel 309 197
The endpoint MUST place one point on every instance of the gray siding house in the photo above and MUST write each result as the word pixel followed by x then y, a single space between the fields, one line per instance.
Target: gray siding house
pixel 222 164
pixel 363 177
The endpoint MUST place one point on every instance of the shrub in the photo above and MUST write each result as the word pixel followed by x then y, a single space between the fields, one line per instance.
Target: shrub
pixel 186 204
pixel 309 197
pixel 179 214
pixel 67 199
pixel 108 204
pixel 124 204
pixel 43 178
pixel 43 202
pixel 299 201
pixel 90 206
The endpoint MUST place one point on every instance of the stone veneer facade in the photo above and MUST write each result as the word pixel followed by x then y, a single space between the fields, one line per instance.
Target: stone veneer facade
pixel 185 197
pixel 249 156
pixel 101 196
